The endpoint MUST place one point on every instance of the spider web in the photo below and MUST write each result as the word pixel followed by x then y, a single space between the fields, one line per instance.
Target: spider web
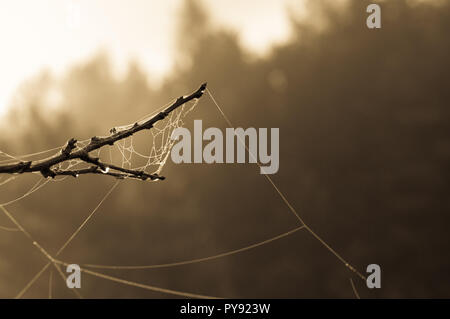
pixel 126 154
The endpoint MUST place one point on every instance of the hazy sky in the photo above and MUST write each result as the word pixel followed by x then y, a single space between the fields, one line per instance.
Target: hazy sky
pixel 57 33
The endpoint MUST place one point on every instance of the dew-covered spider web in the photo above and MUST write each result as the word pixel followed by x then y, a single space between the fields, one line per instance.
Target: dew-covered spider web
pixel 148 155
pixel 128 154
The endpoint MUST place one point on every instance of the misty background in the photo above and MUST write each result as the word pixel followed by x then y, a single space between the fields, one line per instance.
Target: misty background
pixel 364 152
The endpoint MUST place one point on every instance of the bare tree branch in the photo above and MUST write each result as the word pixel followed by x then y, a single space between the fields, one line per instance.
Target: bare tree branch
pixel 44 166
pixel 96 170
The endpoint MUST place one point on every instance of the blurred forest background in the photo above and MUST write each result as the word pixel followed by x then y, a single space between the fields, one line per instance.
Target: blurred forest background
pixel 364 152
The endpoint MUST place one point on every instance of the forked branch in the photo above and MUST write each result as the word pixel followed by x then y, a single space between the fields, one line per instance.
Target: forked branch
pixel 69 152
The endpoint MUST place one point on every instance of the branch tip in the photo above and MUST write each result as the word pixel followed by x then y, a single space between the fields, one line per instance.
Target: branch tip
pixel 70 146
pixel 47 172
pixel 95 139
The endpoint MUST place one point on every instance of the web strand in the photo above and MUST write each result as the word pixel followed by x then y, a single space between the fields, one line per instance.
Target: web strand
pixel 33 189
pixel 60 250
pixel 34 242
pixel 144 286
pixel 50 285
pixel 284 199
pixel 354 289
pixel 199 260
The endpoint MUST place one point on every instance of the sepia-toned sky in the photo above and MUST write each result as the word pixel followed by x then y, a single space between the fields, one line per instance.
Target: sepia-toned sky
pixel 54 34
